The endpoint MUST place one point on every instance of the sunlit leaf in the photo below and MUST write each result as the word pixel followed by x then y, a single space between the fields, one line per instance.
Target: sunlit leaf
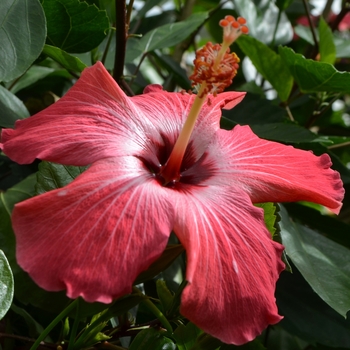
pixel 269 64
pixel 327 47
pixel 66 60
pixel 313 76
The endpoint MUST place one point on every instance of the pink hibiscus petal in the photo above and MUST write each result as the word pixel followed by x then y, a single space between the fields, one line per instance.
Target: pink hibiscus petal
pixel 94 236
pixel 95 120
pixel 232 265
pixel 272 172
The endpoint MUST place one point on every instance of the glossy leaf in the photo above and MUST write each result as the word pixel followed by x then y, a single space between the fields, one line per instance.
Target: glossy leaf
pixel 324 264
pixel 283 4
pixel 269 64
pixel 327 47
pixel 6 285
pixel 12 108
pixel 151 339
pixel 22 36
pixel 313 76
pixel 164 36
pixel 66 60
pixel 74 26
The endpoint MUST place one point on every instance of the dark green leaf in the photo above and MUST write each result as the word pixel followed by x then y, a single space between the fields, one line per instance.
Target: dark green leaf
pixel 165 296
pixel 152 339
pixel 178 73
pixel 269 64
pixel 330 226
pixel 32 75
pixel 283 4
pixel 313 76
pixel 66 60
pixel 52 176
pixel 74 26
pixel 6 285
pixel 327 47
pixel 22 36
pixel 18 193
pixel 307 316
pixel 324 264
pixel 34 328
pixel 185 336
pixel 164 36
pixel 164 261
pixel 255 110
pixel 12 108
pixel 252 345
pixel 287 133
pixel 262 17
pixel 206 342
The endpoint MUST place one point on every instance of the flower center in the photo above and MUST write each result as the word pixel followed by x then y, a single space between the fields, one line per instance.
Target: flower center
pixel 214 69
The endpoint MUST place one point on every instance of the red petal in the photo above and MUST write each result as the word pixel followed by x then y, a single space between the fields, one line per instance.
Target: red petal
pixel 233 264
pixel 94 236
pixel 272 172
pixel 94 120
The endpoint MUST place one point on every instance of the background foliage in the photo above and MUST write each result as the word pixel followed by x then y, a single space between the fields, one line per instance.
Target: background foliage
pixel 295 67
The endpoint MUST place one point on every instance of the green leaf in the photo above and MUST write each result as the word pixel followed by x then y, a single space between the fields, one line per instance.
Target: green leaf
pixel 33 74
pixel 330 226
pixel 256 110
pixel 270 217
pixel 165 296
pixel 252 345
pixel 287 133
pixel 269 64
pixel 323 263
pixel 34 328
pixel 74 26
pixel 206 342
pixel 283 4
pixel 171 252
pixel 12 108
pixel 186 335
pixel 164 36
pixel 152 339
pixel 66 60
pixel 6 285
pixel 18 193
pixel 313 76
pixel 22 36
pixel 307 316
pixel 52 176
pixel 327 47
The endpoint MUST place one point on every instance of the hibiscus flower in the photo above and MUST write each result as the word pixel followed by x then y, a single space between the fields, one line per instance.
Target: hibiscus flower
pixel 94 236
